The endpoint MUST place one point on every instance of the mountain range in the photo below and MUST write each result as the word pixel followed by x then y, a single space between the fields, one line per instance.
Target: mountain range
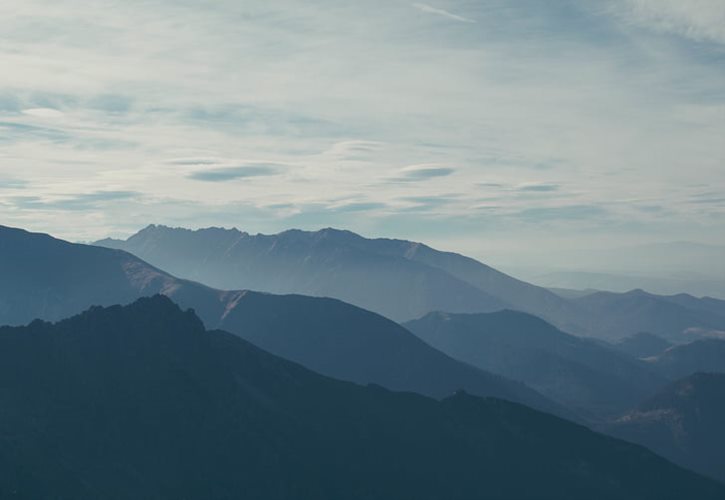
pixel 506 354
pixel 405 280
pixel 677 318
pixel 612 282
pixel 142 401
pixel 50 279
pixel 577 372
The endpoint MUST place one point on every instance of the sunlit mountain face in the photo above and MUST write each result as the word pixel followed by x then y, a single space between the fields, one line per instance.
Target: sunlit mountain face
pixel 362 250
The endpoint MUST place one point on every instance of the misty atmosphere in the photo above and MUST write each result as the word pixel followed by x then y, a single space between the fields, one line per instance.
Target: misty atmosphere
pixel 380 250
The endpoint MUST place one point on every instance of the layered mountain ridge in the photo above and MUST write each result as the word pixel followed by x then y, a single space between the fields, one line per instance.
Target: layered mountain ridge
pixel 577 372
pixel 141 401
pixel 51 279
pixel 405 280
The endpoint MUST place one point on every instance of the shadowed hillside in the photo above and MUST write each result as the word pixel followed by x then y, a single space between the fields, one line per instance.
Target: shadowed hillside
pixel 51 279
pixel 577 372
pixel 683 422
pixel 142 402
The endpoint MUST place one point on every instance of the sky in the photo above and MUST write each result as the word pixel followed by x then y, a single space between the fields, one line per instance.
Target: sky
pixel 489 127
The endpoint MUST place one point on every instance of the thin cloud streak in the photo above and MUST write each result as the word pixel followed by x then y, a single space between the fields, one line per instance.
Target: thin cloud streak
pixel 440 12
pixel 233 173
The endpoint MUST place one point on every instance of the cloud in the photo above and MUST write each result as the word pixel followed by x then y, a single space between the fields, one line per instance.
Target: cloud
pixel 440 12
pixel 11 183
pixel 708 198
pixel 237 172
pixel 419 204
pixel 354 149
pixel 194 161
pixel 83 201
pixel 11 132
pixel 538 188
pixel 565 212
pixel 416 173
pixel 43 112
pixel 527 187
pixel 701 20
pixel 358 207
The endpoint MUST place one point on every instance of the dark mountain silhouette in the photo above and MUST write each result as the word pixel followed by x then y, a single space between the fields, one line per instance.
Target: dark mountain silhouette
pixel 142 402
pixel 403 280
pixel 643 345
pixel 683 422
pixel 700 356
pixel 51 279
pixel 577 372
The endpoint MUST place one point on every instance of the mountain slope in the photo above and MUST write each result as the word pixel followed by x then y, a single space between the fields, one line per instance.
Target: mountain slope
pixel 643 345
pixel 700 356
pixel 709 304
pixel 43 277
pixel 344 341
pixel 683 422
pixel 51 279
pixel 141 402
pixel 522 295
pixel 578 373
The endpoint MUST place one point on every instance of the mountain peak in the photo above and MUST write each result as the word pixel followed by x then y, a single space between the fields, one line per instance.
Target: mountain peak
pixel 161 228
pixel 153 311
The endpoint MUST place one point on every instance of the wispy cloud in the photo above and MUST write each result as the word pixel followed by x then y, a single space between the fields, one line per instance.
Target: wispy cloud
pixel 702 20
pixel 12 183
pixel 358 207
pixel 81 201
pixel 195 161
pixel 539 188
pixel 440 12
pixel 565 212
pixel 236 172
pixel 43 112
pixel 424 172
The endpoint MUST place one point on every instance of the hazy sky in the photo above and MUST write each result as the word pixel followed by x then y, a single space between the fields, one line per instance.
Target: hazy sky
pixel 476 125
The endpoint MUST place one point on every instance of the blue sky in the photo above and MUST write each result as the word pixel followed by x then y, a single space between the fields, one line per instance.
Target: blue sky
pixel 487 127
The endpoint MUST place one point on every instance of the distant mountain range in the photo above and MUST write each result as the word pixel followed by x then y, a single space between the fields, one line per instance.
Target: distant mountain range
pixel 577 280
pixel 683 422
pixel 700 356
pixel 142 402
pixel 678 318
pixel 51 279
pixel 404 280
pixel 579 373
